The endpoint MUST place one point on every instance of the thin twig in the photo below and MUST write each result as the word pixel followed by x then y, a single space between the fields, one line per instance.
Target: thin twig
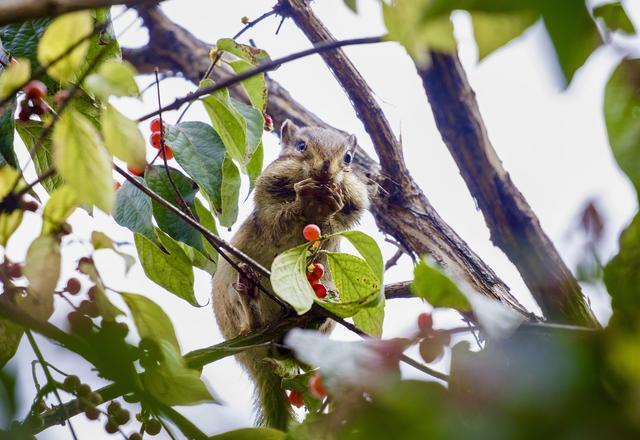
pixel 50 379
pixel 394 259
pixel 271 65
pixel 219 53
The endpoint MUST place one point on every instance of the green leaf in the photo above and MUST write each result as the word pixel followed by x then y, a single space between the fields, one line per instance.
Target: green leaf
pixel 251 434
pixel 369 319
pixel 7 125
pixel 351 4
pixel 171 269
pixel 105 307
pixel 81 159
pixel 622 278
pixel 63 33
pixel 113 78
pixel 151 321
pixel 133 210
pixel 254 123
pixel 200 152
pixel 408 24
pixel 573 33
pixel 21 41
pixel 614 17
pixel 228 123
pixel 288 280
pixel 357 284
pixel 172 382
pixel 60 205
pixel 14 76
pixel 251 54
pixel 207 220
pixel 100 240
pixel 9 222
pixel 30 132
pixel 494 30
pixel 157 180
pixel 123 138
pixel 10 336
pixel 254 166
pixel 103 45
pixel 42 270
pixel 431 284
pixel 622 117
pixel 255 86
pixel 230 192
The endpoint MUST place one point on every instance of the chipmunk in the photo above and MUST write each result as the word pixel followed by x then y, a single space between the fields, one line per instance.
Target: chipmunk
pixel 310 182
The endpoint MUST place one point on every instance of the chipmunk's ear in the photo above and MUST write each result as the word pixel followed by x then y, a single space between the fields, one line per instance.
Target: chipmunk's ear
pixel 288 132
pixel 351 142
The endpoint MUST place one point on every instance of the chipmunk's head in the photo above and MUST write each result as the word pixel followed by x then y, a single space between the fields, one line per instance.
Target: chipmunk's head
pixel 323 154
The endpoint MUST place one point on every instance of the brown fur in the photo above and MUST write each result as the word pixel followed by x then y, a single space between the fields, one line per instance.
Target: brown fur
pixel 298 188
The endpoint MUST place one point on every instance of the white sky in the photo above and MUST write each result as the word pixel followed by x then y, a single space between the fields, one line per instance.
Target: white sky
pixel 552 142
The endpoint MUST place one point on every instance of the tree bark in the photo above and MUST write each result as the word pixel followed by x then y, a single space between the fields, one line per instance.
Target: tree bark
pixel 513 225
pixel 15 11
pixel 399 207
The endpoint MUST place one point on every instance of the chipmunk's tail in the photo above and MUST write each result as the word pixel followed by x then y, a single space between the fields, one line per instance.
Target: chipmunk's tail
pixel 272 406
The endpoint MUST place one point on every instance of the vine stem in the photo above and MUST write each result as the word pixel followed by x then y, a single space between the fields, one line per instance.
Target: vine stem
pixel 50 379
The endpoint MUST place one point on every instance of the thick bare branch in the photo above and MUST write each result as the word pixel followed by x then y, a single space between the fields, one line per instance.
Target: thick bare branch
pixel 15 11
pixel 400 208
pixel 514 226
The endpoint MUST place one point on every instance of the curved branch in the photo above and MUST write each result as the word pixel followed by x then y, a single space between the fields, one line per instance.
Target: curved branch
pixel 20 10
pixel 513 225
pixel 401 211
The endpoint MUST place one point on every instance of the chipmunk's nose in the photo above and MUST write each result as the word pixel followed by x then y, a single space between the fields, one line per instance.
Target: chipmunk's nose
pixel 325 166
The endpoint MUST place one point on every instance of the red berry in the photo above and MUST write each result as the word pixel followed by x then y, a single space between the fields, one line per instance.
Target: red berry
pixel 116 185
pixel 14 270
pixel 320 290
pixel 316 387
pixel 268 122
pixel 155 125
pixel 167 151
pixel 311 277
pixel 318 270
pixel 136 171
pixel 425 322
pixel 156 139
pixel 24 115
pixel 39 107
pixel 311 232
pixel 35 89
pixel 73 286
pixel 430 350
pixel 295 398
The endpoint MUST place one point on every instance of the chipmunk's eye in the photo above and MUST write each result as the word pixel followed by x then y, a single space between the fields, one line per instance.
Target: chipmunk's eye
pixel 300 146
pixel 348 157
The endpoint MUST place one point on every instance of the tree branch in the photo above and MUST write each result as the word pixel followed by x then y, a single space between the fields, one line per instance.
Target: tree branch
pixel 401 192
pixel 14 11
pixel 394 207
pixel 514 226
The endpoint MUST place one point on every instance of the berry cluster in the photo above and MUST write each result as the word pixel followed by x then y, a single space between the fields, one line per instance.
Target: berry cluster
pixel 316 389
pixel 315 270
pixel 33 104
pixel 157 139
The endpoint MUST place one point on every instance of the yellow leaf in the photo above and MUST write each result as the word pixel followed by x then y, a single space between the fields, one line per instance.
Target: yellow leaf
pixel 123 137
pixel 63 33
pixel 9 222
pixel 82 160
pixel 14 76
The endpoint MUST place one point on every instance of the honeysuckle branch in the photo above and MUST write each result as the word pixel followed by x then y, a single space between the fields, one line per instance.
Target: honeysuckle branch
pixel 20 10
pixel 265 67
